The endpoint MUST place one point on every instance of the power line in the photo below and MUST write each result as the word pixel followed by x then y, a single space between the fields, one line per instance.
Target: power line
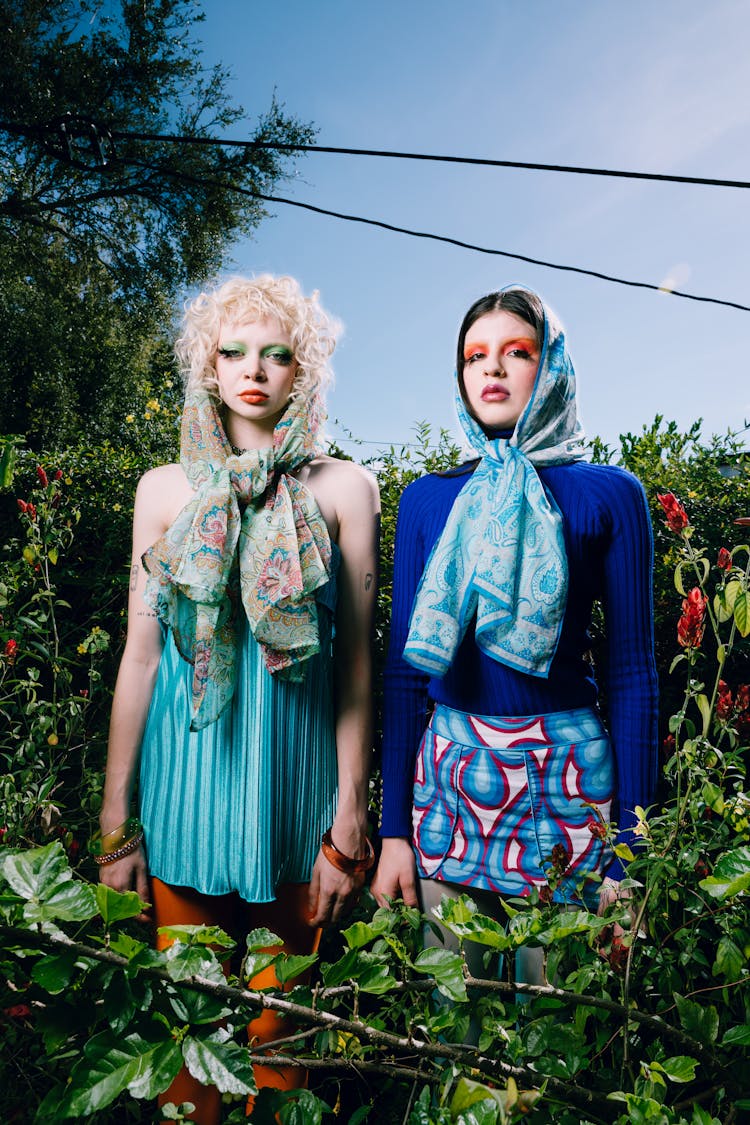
pixel 474 161
pixel 381 224
pixel 498 253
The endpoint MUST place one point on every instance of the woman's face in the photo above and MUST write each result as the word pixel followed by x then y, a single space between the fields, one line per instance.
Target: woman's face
pixel 501 357
pixel 255 368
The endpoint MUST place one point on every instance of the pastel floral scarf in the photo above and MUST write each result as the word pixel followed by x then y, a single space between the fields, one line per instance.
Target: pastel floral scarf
pixel 252 534
pixel 501 556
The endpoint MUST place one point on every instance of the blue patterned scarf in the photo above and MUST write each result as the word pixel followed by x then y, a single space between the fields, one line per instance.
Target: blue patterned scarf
pixel 501 555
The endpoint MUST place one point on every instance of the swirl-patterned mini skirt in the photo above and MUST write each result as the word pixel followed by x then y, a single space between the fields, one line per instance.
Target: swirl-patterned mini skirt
pixel 496 799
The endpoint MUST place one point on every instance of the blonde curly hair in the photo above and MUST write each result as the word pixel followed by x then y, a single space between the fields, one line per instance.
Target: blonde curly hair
pixel 242 300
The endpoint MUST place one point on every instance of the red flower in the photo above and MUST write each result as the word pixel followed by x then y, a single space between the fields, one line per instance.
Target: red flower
pixel 701 869
pixel 18 1011
pixel 3 832
pixel 668 745
pixel 691 624
pixel 545 894
pixel 723 702
pixel 618 955
pixel 31 511
pixel 23 506
pixel 724 561
pixel 742 700
pixel 84 692
pixel 560 858
pixel 677 517
pixel 43 478
pixel 58 474
pixel 11 648
pixel 598 829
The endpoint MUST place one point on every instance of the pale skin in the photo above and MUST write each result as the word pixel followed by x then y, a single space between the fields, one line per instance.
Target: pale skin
pixel 256 372
pixel 501 356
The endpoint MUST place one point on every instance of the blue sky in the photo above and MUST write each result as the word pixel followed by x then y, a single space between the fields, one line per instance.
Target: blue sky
pixel 661 87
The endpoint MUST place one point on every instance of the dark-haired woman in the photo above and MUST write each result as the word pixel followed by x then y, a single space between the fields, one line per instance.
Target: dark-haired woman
pixel 497 567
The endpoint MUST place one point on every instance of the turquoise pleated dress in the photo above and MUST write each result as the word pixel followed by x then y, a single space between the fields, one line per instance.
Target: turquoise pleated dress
pixel 242 804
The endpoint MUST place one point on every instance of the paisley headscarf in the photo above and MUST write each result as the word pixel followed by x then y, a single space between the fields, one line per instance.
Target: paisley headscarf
pixel 501 555
pixel 251 534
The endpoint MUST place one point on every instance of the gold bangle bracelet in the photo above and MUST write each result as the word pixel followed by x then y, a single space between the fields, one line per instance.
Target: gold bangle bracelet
pixel 119 853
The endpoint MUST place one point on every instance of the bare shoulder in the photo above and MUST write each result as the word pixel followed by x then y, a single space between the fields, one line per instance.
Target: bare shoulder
pixel 349 479
pixel 162 493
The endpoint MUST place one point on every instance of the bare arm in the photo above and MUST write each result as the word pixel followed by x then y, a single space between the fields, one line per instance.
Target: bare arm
pixel 133 690
pixel 358 510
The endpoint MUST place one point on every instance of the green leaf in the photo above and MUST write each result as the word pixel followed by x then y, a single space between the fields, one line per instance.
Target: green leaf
pixel 201 935
pixel 731 875
pixel 680 1068
pixel 109 1065
pixel 729 595
pixel 742 614
pixel 679 585
pixel 361 933
pixel 447 969
pixel 730 960
pixel 622 851
pixel 290 966
pixel 701 1022
pixel 255 963
pixel 114 906
pixel 183 961
pixel 38 872
pixel 738 1036
pixel 216 1062
pixel 705 709
pixel 343 969
pixel 160 1065
pixel 197 1007
pixel 54 973
pixel 262 940
pixel 73 902
pixel 52 555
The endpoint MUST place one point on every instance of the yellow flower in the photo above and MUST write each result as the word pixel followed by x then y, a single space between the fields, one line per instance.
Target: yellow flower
pixel 81 649
pixel 130 418
pixel 147 414
pixel 68 480
pixel 692 494
pixel 153 404
pixel 117 507
pixel 52 740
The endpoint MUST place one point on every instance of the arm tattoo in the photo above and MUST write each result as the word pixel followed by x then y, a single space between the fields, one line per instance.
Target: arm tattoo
pixel 144 613
pixel 368 581
pixel 134 576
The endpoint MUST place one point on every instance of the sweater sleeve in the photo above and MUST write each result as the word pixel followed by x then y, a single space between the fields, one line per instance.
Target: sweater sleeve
pixel 405 689
pixel 632 689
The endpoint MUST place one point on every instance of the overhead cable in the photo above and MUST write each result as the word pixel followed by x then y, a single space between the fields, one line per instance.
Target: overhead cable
pixel 476 161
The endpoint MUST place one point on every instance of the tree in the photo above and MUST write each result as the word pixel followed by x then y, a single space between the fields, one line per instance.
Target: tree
pixel 97 235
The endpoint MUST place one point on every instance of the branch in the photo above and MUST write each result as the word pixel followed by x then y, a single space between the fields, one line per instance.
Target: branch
pixel 593 1104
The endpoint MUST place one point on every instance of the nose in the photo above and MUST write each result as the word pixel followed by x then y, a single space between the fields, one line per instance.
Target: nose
pixel 493 367
pixel 254 368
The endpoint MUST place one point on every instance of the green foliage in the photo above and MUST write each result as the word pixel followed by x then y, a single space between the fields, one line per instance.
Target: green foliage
pixel 93 254
pixel 647 1023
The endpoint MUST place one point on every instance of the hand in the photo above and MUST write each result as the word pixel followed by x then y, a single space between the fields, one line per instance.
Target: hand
pixel 128 874
pixel 396 873
pixel 332 893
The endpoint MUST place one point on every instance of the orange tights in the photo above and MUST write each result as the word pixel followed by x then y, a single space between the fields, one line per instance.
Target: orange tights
pixel 288 917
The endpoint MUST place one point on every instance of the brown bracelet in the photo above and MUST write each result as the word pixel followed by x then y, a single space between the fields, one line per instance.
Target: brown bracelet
pixel 119 853
pixel 343 862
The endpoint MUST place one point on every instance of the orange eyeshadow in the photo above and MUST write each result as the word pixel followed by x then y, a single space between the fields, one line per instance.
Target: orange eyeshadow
pixel 474 349
pixel 521 342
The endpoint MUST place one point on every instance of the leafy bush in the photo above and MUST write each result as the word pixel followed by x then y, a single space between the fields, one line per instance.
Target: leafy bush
pixel 648 1023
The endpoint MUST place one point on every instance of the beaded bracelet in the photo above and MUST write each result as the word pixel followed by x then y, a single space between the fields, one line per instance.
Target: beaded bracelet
pixel 118 853
pixel 343 862
pixel 119 842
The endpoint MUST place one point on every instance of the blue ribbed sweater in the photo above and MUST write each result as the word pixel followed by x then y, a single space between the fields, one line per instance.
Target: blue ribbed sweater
pixel 610 558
